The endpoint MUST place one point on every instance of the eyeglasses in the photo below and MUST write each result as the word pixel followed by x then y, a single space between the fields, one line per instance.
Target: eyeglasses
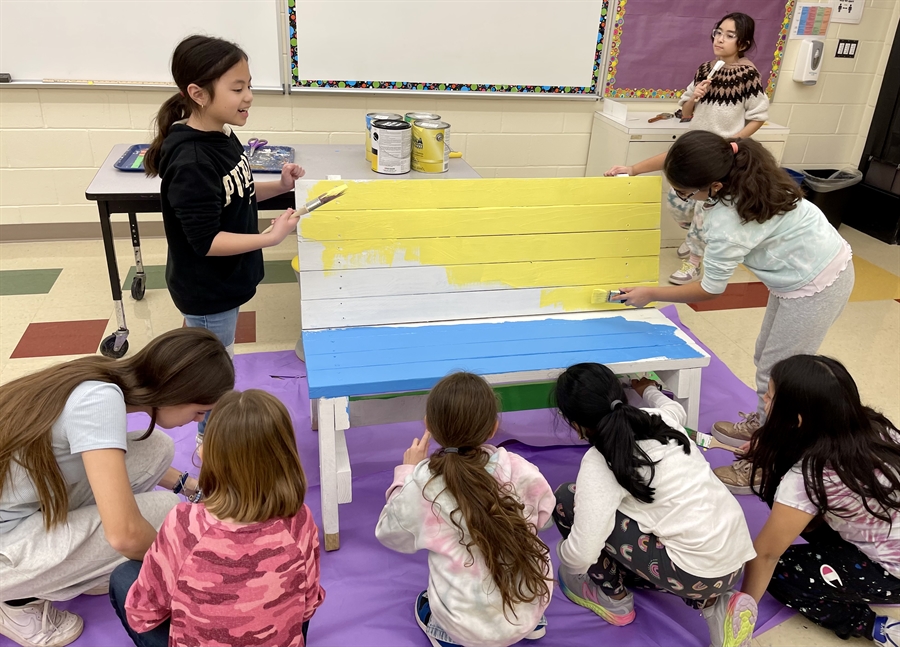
pixel 686 196
pixel 727 35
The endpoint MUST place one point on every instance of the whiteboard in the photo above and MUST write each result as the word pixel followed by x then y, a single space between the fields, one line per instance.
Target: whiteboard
pixel 513 45
pixel 131 40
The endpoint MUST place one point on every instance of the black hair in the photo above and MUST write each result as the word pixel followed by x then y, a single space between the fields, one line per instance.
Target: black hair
pixel 197 60
pixel 585 394
pixel 816 419
pixel 751 178
pixel 744 28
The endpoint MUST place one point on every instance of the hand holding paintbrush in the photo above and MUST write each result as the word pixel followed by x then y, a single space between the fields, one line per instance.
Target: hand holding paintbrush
pixel 294 216
pixel 703 87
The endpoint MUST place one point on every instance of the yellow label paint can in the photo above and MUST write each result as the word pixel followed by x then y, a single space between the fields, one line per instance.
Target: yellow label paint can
pixel 391 143
pixel 413 117
pixel 374 116
pixel 431 146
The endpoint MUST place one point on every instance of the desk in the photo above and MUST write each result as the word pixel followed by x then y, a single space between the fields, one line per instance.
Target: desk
pixel 627 141
pixel 133 193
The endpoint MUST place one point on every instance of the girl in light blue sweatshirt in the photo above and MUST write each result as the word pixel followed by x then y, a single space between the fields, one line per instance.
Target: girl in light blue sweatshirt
pixel 756 215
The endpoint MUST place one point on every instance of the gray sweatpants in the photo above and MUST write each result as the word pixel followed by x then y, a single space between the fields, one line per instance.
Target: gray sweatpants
pixel 797 327
pixel 74 557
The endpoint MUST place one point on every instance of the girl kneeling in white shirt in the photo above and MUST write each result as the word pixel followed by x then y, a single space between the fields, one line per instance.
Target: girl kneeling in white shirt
pixel 646 504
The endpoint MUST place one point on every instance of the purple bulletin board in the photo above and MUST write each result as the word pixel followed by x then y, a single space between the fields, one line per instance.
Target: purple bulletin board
pixel 656 46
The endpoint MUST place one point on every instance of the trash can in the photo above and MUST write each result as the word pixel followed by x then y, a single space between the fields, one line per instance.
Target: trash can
pixel 829 189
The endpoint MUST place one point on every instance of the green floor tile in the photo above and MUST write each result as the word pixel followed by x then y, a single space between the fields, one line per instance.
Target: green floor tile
pixel 279 272
pixel 27 281
pixel 156 277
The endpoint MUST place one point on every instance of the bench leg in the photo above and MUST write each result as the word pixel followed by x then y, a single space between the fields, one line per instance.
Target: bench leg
pixel 314 415
pixel 685 384
pixel 334 419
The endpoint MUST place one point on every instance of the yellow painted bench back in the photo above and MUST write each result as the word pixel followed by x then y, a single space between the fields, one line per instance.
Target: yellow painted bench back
pixel 414 251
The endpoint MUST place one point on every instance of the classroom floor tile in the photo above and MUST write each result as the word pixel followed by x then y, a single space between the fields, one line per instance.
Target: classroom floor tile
pixel 736 296
pixel 60 338
pixel 155 278
pixel 27 281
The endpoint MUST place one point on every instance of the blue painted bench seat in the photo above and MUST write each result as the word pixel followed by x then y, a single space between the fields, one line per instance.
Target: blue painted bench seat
pixel 393 359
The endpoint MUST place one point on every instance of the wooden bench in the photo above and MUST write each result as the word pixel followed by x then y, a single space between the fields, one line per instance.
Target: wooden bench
pixel 404 282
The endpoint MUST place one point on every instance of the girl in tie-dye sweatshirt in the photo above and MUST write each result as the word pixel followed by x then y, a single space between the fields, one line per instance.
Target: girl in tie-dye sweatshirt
pixel 242 567
pixel 476 509
pixel 829 468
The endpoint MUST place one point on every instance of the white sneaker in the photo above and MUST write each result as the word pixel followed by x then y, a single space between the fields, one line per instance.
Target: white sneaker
pixel 687 274
pixel 683 250
pixel 39 624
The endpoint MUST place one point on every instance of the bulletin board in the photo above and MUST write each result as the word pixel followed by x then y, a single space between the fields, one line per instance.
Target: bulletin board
pixel 656 46
pixel 538 47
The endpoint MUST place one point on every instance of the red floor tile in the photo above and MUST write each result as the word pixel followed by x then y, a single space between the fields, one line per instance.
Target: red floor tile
pixel 736 296
pixel 246 328
pixel 61 338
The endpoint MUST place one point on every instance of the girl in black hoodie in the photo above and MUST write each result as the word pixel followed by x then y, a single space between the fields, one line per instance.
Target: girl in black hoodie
pixel 209 199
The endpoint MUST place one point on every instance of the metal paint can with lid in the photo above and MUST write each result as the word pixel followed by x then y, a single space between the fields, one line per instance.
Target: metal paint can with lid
pixel 431 146
pixel 374 116
pixel 413 117
pixel 391 143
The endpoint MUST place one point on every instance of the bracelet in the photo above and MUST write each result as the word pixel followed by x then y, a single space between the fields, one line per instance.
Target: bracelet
pixel 178 488
pixel 196 496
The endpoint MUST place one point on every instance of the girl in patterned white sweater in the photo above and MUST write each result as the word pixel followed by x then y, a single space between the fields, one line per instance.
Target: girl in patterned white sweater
pixel 829 468
pixel 731 104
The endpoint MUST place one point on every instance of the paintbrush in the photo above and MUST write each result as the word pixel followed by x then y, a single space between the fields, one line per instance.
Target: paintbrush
pixel 315 203
pixel 715 68
pixel 708 441
pixel 605 296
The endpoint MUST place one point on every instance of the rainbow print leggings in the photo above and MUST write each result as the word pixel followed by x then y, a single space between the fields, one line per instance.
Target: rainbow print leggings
pixel 636 559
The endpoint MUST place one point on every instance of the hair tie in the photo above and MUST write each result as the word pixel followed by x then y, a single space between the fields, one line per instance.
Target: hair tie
pixel 451 450
pixel 614 404
pixel 734 147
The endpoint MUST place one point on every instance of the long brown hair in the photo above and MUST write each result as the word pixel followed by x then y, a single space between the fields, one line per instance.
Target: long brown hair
pixel 462 412
pixel 751 178
pixel 185 366
pixel 197 60
pixel 251 469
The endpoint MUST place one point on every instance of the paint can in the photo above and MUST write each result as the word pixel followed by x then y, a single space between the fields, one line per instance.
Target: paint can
pixel 374 116
pixel 391 142
pixel 431 146
pixel 413 117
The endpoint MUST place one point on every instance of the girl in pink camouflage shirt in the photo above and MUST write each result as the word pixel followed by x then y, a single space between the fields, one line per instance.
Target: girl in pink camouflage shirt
pixel 242 567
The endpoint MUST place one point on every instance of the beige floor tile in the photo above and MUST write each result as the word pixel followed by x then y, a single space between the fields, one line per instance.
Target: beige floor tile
pixel 887 257
pixel 797 631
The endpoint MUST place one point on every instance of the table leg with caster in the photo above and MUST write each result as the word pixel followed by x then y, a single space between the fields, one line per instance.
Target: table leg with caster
pixel 115 345
pixel 139 282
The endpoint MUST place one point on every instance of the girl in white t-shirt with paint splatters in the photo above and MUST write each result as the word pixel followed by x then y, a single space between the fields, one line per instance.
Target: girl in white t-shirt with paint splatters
pixel 646 502
pixel 829 468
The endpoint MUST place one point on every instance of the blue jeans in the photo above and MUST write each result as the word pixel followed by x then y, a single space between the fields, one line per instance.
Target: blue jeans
pixel 120 583
pixel 222 324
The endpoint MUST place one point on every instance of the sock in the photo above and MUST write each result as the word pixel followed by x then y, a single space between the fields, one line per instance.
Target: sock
pixel 20 603
pixel 695 260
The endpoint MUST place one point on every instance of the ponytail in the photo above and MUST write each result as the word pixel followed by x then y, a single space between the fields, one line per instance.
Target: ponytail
pixel 174 109
pixel 592 400
pixel 461 414
pixel 751 178
pixel 200 61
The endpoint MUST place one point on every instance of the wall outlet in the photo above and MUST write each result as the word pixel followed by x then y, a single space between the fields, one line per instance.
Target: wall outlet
pixel 846 48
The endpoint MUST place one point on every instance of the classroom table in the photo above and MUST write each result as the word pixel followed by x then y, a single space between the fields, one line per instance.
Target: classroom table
pixel 133 193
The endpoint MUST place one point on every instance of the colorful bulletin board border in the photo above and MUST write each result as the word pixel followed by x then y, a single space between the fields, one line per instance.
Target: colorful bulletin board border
pixel 612 91
pixel 444 87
